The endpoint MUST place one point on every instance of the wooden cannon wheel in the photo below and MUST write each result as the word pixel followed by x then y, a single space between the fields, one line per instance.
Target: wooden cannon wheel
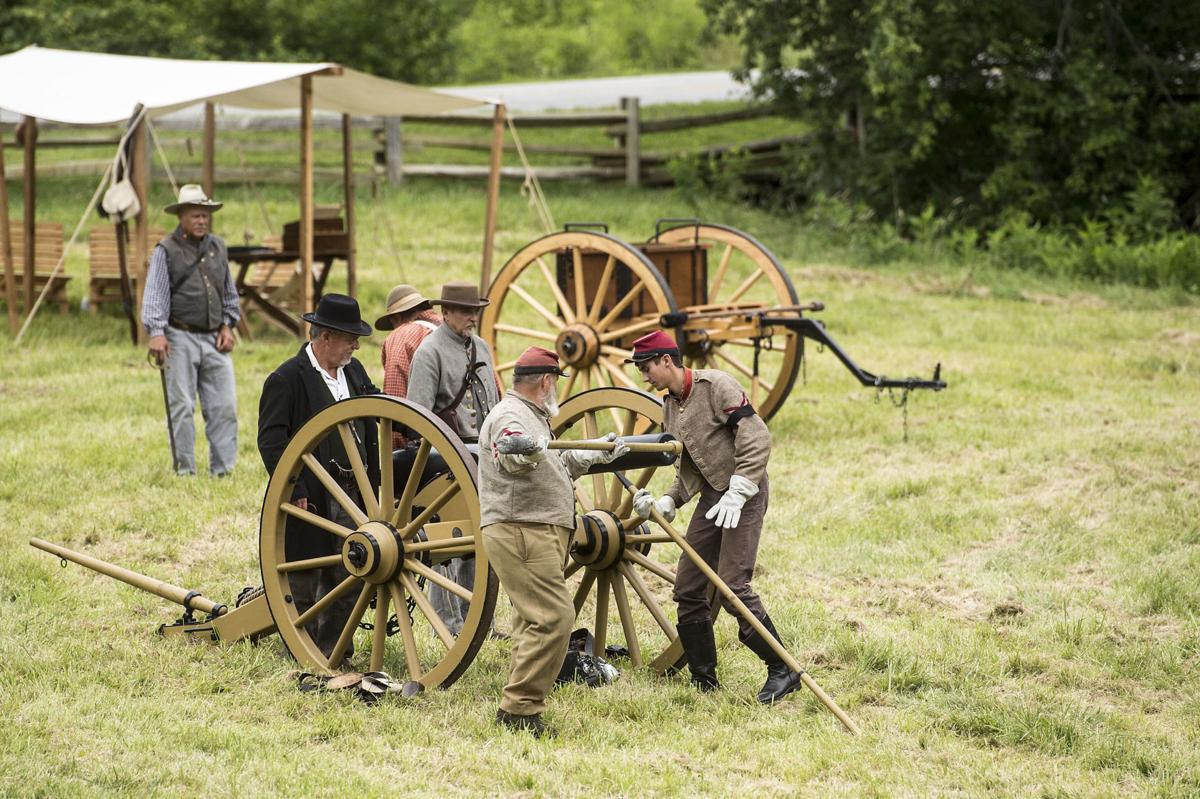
pixel 401 528
pixel 742 275
pixel 616 559
pixel 623 299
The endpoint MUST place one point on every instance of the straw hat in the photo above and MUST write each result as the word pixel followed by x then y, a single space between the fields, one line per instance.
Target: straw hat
pixel 192 194
pixel 400 299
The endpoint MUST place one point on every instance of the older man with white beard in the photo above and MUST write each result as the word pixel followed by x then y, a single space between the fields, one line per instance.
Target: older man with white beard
pixel 527 512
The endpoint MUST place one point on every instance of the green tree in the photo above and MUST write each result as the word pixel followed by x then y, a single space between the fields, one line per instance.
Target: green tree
pixel 1059 109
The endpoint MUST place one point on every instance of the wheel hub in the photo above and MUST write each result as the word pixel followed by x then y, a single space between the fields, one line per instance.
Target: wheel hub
pixel 578 345
pixel 599 540
pixel 373 552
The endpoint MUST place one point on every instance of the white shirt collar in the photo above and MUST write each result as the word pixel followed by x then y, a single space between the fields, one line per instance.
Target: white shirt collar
pixel 337 385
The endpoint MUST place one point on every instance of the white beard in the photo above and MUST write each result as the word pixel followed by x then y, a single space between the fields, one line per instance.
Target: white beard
pixel 550 403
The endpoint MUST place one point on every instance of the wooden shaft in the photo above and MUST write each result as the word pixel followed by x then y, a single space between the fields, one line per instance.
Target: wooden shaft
pixel 493 197
pixel 140 167
pixel 6 253
pixel 171 593
pixel 348 202
pixel 674 447
pixel 210 135
pixel 306 199
pixel 753 621
pixel 29 138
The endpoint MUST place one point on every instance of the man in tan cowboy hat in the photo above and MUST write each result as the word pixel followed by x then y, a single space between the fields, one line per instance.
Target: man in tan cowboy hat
pixel 454 376
pixel 411 318
pixel 189 309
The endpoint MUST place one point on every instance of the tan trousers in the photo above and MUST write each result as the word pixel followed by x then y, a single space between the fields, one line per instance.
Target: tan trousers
pixel 528 558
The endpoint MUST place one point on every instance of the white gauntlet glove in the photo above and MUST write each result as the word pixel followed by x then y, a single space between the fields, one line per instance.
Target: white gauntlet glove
pixel 587 458
pixel 728 510
pixel 644 505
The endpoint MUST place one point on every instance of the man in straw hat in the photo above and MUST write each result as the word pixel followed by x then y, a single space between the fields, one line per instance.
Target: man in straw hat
pixel 321 373
pixel 453 375
pixel 410 318
pixel 725 450
pixel 527 515
pixel 189 309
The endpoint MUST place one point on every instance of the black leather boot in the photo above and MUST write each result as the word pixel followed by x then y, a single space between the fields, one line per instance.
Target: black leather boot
pixel 701 650
pixel 781 680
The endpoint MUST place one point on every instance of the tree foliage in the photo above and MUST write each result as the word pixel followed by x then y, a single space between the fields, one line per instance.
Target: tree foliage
pixel 407 41
pixel 1056 109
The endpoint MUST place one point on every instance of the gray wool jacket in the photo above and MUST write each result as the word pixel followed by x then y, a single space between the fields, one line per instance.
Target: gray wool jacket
pixel 437 371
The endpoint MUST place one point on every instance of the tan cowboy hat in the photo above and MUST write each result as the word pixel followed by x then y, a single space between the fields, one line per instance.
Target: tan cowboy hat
pixel 192 194
pixel 400 299
pixel 461 293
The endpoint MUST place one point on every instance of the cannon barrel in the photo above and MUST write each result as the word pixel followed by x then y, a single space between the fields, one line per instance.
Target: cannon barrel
pixel 172 593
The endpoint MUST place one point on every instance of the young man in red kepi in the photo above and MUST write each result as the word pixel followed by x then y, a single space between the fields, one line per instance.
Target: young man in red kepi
pixel 725 450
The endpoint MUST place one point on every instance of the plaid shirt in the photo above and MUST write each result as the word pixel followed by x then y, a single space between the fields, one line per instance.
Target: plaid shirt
pixel 397 353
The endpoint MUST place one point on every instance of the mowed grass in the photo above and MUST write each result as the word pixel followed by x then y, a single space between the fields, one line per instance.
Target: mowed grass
pixel 1007 603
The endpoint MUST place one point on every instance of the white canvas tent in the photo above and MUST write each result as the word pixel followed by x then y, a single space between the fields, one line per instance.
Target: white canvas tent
pixel 81 88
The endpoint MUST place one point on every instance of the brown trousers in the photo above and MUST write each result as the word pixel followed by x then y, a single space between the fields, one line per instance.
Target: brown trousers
pixel 528 558
pixel 730 553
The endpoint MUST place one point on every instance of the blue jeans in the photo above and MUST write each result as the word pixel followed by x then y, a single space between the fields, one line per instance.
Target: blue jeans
pixel 194 366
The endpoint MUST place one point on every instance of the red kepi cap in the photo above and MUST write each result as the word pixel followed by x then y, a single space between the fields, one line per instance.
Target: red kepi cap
pixel 652 345
pixel 538 361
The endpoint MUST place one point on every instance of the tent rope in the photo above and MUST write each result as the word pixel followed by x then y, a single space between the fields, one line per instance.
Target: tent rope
pixel 531 187
pixel 393 244
pixel 162 156
pixel 66 251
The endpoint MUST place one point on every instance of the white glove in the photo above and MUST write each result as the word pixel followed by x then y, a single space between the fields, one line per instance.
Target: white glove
pixel 533 458
pixel 728 510
pixel 587 458
pixel 644 504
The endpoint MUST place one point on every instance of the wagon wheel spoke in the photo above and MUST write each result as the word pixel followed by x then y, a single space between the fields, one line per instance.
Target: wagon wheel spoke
pixel 527 332
pixel 339 591
pixel 413 547
pixel 559 297
pixel 572 568
pixel 438 579
pixel 379 634
pixel 566 389
pixel 315 520
pixel 336 491
pixel 581 593
pixel 602 289
pixel 404 508
pixel 620 306
pixel 648 600
pixel 308 564
pixel 651 566
pixel 581 309
pixel 715 287
pixel 343 641
pixel 387 488
pixel 350 447
pixel 642 326
pixel 532 302
pixel 742 368
pixel 602 592
pixel 627 625
pixel 404 621
pixel 591 430
pixel 506 366
pixel 582 499
pixel 620 376
pixel 424 516
pixel 426 608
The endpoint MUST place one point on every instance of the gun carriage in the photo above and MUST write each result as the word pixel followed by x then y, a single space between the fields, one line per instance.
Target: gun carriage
pixel 588 295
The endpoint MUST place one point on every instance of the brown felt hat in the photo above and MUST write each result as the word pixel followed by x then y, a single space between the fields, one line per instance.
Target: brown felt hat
pixel 461 293
pixel 400 299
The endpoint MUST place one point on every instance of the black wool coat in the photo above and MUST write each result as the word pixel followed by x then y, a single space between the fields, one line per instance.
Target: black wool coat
pixel 291 395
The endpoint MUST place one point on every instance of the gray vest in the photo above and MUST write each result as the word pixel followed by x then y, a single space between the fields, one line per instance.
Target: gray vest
pixel 197 280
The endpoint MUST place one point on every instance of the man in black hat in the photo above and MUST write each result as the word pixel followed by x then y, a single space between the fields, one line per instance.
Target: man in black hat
pixel 323 372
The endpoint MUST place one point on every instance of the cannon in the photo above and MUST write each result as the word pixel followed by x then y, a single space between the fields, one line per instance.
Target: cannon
pixel 423 510
pixel 588 295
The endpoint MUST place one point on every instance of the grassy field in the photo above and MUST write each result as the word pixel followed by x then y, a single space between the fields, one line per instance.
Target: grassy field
pixel 1008 603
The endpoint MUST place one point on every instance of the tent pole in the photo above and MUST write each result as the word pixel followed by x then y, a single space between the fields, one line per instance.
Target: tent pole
pixel 10 275
pixel 210 135
pixel 306 198
pixel 28 134
pixel 140 167
pixel 348 189
pixel 493 197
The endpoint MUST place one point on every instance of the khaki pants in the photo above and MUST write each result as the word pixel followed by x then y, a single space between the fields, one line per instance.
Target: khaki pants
pixel 730 553
pixel 528 558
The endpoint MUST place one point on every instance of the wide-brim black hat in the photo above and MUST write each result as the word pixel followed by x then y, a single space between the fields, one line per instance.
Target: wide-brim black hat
pixel 339 312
